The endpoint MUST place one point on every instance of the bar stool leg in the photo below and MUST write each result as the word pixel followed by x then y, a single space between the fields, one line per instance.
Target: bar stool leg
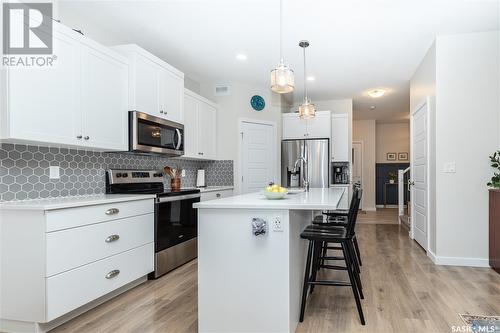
pixel 306 280
pixel 348 263
pixel 358 254
pixel 315 262
pixel 355 271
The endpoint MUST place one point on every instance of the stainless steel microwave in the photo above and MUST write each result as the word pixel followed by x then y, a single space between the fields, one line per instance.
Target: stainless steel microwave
pixel 153 135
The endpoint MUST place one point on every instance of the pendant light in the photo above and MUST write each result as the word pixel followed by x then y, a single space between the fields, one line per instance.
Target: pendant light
pixel 306 109
pixel 282 77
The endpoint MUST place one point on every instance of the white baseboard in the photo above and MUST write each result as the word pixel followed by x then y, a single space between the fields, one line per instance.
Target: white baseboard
pixel 458 261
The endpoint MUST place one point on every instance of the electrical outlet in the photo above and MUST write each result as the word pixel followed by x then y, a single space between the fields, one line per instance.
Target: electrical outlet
pixel 450 167
pixel 277 224
pixel 54 172
pixel 183 173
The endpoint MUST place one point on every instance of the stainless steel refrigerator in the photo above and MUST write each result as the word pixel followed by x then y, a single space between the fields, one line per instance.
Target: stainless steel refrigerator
pixel 317 154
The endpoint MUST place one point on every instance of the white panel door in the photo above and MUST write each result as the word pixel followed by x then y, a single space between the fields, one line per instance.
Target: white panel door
pixel 294 127
pixel 340 138
pixel 171 96
pixel 419 180
pixel 207 129
pixel 45 103
pixel 104 100
pixel 146 86
pixel 258 161
pixel 191 106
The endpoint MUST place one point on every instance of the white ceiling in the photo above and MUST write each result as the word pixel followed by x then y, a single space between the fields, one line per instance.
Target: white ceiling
pixel 356 45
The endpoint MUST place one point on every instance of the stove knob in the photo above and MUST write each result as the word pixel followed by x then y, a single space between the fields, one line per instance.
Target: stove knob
pixel 125 175
pixel 118 175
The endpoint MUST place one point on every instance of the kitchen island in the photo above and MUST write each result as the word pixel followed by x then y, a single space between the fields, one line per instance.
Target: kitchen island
pixel 249 283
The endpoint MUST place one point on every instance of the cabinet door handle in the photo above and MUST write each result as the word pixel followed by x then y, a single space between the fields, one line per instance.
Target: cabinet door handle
pixel 218 195
pixel 112 211
pixel 79 136
pixel 87 137
pixel 112 274
pixel 161 111
pixel 112 238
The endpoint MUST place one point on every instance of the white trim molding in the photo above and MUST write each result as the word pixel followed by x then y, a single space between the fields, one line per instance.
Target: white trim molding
pixel 458 261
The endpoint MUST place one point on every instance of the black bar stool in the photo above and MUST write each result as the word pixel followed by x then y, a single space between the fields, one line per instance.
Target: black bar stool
pixel 318 236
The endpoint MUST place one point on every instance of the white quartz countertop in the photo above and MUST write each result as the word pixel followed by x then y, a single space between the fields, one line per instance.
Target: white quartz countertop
pixel 315 199
pixel 69 202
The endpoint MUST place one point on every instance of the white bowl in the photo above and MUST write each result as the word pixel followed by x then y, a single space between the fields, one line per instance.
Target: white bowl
pixel 274 195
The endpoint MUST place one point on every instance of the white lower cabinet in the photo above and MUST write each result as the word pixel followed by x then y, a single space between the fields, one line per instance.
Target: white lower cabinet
pixel 54 261
pixel 70 290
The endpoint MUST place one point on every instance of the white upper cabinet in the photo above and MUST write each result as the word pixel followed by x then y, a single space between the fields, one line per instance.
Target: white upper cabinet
pixel 104 99
pixel 200 127
pixel 80 101
pixel 340 138
pixel 318 127
pixel 156 87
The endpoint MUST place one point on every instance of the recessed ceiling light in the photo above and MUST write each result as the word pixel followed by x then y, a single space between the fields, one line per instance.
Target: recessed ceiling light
pixel 373 107
pixel 241 57
pixel 311 78
pixel 375 93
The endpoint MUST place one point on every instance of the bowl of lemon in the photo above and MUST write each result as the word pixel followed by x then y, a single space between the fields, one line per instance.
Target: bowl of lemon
pixel 274 192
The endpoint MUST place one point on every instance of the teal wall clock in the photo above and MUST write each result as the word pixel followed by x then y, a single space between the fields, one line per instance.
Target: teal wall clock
pixel 257 102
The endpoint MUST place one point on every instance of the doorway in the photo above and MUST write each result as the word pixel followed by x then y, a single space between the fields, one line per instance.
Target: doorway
pixel 357 165
pixel 259 157
pixel 419 174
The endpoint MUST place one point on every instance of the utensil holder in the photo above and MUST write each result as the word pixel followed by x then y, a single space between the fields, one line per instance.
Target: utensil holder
pixel 175 184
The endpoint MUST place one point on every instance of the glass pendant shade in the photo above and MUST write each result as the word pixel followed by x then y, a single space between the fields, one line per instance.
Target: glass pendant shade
pixel 282 79
pixel 307 110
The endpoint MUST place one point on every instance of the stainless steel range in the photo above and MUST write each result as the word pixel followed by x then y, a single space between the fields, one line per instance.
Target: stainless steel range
pixel 176 221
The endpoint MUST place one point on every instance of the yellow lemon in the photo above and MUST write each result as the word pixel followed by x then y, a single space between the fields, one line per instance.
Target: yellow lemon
pixel 282 190
pixel 269 188
pixel 275 186
pixel 275 190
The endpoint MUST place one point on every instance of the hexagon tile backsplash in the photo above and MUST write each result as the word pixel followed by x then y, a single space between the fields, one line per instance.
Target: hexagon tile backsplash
pixel 24 171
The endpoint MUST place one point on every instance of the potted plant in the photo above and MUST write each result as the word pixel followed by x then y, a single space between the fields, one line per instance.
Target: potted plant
pixel 393 177
pixel 494 214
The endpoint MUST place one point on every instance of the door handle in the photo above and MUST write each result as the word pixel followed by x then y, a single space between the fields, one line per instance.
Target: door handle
pixel 112 211
pixel 112 274
pixel 179 137
pixel 410 184
pixel 112 238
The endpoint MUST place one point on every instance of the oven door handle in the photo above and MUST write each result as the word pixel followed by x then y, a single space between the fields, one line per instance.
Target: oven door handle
pixel 178 198
pixel 179 137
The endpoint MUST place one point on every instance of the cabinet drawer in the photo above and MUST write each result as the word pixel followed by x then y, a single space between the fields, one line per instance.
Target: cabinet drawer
pixel 70 290
pixel 70 248
pixel 74 217
pixel 216 195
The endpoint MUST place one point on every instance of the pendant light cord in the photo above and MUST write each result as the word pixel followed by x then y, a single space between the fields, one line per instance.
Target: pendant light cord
pixel 305 81
pixel 281 30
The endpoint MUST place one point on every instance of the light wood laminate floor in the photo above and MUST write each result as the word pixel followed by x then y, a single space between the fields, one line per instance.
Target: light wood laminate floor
pixel 404 292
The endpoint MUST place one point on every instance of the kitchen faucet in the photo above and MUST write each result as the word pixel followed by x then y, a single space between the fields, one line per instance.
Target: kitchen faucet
pixel 305 172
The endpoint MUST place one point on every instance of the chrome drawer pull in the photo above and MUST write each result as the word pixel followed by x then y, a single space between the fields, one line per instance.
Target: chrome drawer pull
pixel 112 274
pixel 112 211
pixel 112 238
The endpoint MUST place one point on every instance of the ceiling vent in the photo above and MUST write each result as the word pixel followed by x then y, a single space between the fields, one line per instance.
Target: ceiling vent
pixel 222 90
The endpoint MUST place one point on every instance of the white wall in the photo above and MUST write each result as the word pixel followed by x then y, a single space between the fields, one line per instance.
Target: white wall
pixel 392 138
pixel 423 85
pixel 364 130
pixel 467 127
pixel 234 107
